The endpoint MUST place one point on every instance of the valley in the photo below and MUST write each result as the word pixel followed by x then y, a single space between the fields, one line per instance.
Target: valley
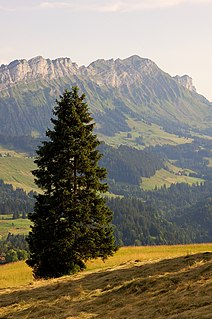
pixel 156 144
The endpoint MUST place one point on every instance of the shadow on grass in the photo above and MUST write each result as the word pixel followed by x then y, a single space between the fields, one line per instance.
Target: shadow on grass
pixel 156 290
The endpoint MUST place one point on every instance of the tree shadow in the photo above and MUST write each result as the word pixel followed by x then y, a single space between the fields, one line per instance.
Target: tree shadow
pixel 124 292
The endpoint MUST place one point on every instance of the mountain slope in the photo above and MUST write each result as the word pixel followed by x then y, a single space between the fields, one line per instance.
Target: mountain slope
pixel 120 93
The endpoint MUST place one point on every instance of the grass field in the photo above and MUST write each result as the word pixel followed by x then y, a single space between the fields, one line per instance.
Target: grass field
pixel 16 170
pixel 164 177
pixel 151 135
pixel 16 274
pixel 141 284
pixel 14 226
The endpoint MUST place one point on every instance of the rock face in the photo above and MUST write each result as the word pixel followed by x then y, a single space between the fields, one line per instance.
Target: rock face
pixel 118 92
pixel 112 73
pixel 36 68
pixel 186 81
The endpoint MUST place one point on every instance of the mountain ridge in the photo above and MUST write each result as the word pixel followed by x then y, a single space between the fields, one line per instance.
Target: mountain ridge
pixel 118 92
pixel 22 69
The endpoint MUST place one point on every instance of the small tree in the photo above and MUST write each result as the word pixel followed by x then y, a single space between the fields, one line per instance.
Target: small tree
pixel 71 223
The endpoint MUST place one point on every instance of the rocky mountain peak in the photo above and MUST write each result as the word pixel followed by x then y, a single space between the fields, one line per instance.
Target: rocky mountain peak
pixel 117 72
pixel 118 91
pixel 186 81
pixel 37 67
pixel 112 73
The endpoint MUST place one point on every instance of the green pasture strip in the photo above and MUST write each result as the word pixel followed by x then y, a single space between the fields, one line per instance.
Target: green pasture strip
pixel 164 177
pixel 14 226
pixel 17 171
pixel 151 135
pixel 7 216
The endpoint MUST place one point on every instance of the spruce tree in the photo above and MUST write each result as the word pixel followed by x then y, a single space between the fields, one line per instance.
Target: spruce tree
pixel 71 223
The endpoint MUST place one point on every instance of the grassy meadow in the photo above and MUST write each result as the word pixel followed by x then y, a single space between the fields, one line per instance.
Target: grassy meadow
pixel 13 226
pixel 163 176
pixel 151 135
pixel 138 282
pixel 16 274
pixel 16 170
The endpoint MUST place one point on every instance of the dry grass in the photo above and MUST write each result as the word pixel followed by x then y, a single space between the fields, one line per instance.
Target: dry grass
pixel 179 287
pixel 15 275
pixel 148 254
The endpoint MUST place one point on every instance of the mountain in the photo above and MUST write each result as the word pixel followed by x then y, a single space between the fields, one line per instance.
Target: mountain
pixel 137 107
pixel 122 94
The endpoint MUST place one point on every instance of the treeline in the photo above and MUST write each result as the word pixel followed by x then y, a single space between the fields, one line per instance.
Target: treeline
pixel 180 214
pixel 176 215
pixel 15 201
pixel 192 156
pixel 178 197
pixel 197 219
pixel 169 199
pixel 24 143
pixel 13 248
pixel 139 224
pixel 127 165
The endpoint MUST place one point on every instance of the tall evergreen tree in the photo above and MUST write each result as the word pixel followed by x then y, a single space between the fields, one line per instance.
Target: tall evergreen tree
pixel 71 222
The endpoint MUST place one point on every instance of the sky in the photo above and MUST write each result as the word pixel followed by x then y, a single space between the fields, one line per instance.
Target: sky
pixel 175 34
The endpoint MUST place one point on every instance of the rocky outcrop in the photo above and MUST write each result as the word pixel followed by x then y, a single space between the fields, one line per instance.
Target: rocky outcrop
pixel 117 91
pixel 111 73
pixel 186 81
pixel 38 67
pixel 115 73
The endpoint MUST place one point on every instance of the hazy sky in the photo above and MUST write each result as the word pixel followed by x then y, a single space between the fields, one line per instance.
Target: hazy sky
pixel 176 34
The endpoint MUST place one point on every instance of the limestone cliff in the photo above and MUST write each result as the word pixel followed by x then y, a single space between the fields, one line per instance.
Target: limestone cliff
pixel 186 81
pixel 36 68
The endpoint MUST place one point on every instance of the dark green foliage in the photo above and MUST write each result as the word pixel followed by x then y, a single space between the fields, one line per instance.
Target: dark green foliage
pixel 138 223
pixel 197 217
pixel 191 156
pixel 15 201
pixel 71 221
pixel 13 248
pixel 127 165
pixel 180 214
pixel 25 143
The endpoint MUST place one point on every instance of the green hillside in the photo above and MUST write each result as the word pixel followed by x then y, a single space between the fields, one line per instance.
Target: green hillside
pixel 13 226
pixel 142 135
pixel 164 177
pixel 16 170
